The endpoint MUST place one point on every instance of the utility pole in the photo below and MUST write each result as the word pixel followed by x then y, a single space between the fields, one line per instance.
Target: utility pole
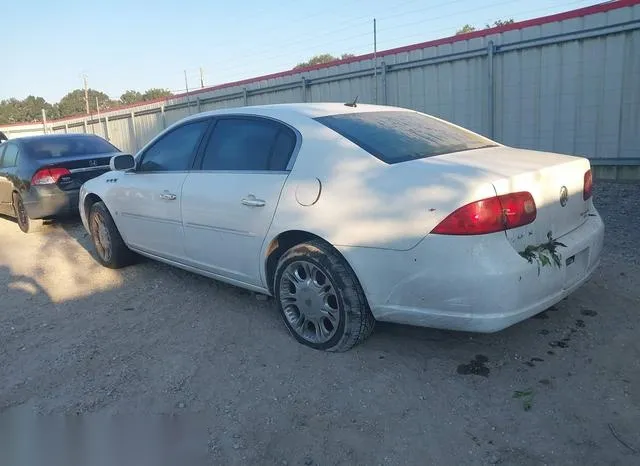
pixel 98 111
pixel 201 77
pixel 375 61
pixel 86 93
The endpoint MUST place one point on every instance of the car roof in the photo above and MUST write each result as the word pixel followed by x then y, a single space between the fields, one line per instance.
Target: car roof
pixel 310 110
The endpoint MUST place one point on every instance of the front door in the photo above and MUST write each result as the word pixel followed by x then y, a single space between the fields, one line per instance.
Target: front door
pixel 229 203
pixel 147 200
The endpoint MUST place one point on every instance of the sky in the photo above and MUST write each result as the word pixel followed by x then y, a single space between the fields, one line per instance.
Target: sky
pixel 134 44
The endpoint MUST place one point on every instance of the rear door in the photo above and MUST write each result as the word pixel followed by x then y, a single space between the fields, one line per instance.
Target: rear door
pixel 229 203
pixel 8 167
pixel 146 202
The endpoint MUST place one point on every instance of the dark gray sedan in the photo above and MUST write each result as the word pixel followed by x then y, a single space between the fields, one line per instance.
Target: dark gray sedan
pixel 40 176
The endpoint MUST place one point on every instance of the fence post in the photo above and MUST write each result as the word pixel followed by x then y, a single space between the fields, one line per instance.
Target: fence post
pixel 490 95
pixel 66 128
pixel 383 65
pixel 106 128
pixel 164 118
pixel 133 130
pixel 245 96
pixel 84 124
pixel 198 103
pixel 303 89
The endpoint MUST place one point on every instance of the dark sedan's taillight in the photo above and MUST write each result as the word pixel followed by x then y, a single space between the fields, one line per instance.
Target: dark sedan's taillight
pixel 49 176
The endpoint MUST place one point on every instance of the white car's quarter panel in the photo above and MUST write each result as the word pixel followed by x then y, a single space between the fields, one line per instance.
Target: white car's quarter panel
pixel 366 202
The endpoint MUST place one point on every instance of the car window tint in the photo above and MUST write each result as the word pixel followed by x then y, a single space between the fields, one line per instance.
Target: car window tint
pixel 398 136
pixel 284 145
pixel 46 147
pixel 174 151
pixel 10 157
pixel 248 144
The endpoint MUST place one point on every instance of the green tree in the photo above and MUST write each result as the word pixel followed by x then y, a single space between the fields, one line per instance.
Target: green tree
pixel 469 28
pixel 465 29
pixel 130 97
pixel 321 59
pixel 156 93
pixel 27 110
pixel 73 103
pixel 500 22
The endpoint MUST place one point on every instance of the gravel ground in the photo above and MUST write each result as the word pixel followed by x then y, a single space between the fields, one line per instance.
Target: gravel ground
pixel 76 338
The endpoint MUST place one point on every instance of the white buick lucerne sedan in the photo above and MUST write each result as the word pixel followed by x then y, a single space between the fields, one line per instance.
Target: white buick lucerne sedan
pixel 351 214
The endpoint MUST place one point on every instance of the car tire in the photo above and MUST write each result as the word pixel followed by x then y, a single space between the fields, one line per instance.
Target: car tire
pixel 110 248
pixel 25 223
pixel 320 298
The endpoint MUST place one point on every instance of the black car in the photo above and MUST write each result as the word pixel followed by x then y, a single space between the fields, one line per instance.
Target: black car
pixel 40 176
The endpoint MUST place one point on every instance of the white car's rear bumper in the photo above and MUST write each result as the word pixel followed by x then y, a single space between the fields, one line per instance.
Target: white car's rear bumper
pixel 460 283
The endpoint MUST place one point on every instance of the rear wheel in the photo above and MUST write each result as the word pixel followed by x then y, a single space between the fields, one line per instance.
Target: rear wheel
pixel 26 224
pixel 109 246
pixel 320 299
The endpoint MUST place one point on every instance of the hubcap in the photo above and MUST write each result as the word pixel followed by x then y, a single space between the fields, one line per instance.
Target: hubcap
pixel 309 301
pixel 101 237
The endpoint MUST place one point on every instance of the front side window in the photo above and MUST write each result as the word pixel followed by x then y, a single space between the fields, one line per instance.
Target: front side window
pixel 397 136
pixel 174 151
pixel 10 158
pixel 248 144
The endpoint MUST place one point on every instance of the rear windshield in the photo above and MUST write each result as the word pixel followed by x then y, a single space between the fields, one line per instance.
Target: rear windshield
pixel 398 136
pixel 73 146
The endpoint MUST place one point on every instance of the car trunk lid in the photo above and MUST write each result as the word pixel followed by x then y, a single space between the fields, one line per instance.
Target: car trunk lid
pixel 555 181
pixel 81 167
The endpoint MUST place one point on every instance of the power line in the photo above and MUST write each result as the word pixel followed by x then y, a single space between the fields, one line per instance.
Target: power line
pixel 367 47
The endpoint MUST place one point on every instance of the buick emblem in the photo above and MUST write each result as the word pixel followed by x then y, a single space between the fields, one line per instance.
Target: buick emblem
pixel 564 196
pixel 93 163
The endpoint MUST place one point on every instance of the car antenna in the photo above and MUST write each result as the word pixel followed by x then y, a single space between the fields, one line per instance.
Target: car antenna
pixel 352 104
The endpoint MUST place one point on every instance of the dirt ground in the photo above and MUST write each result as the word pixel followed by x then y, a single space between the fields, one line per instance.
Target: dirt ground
pixel 561 388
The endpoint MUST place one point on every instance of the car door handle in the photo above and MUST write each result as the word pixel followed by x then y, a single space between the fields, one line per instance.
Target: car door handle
pixel 252 201
pixel 167 196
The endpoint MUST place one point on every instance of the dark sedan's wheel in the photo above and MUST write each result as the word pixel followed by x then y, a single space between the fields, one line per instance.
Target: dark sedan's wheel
pixel 26 224
pixel 320 299
pixel 109 246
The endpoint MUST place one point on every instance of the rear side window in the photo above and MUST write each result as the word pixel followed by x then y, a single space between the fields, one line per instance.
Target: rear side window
pixel 48 147
pixel 10 158
pixel 248 144
pixel 398 136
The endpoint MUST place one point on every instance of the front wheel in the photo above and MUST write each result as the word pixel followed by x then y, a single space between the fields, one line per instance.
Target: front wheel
pixel 320 299
pixel 110 248
pixel 26 224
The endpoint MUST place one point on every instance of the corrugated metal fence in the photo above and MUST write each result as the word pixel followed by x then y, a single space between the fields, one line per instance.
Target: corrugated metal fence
pixel 567 83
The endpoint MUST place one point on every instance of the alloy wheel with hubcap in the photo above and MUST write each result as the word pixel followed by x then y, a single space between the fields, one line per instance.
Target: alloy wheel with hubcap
pixel 309 302
pixel 110 248
pixel 320 299
pixel 101 237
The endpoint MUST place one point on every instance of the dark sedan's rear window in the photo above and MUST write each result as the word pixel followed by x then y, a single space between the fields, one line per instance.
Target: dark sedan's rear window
pixel 60 146
pixel 397 136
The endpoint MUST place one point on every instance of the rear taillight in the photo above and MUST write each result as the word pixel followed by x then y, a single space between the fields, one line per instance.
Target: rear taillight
pixel 587 190
pixel 490 215
pixel 49 176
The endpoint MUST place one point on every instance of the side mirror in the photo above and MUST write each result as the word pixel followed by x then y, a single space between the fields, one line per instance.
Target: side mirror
pixel 122 162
